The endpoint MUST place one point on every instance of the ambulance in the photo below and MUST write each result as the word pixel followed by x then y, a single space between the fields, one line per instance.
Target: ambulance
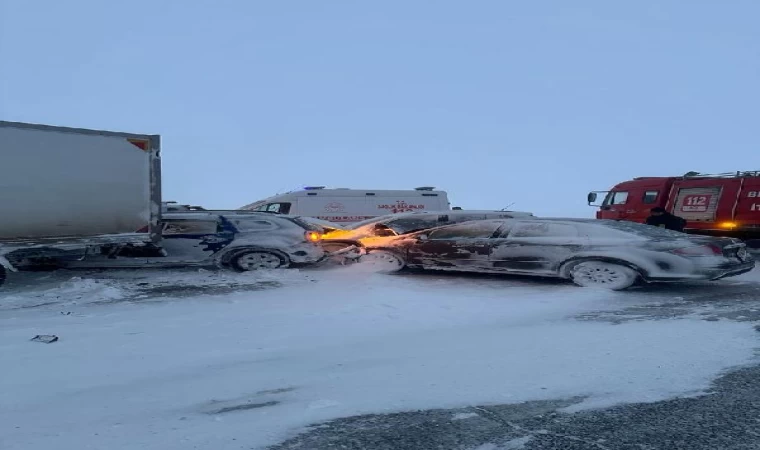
pixel 346 206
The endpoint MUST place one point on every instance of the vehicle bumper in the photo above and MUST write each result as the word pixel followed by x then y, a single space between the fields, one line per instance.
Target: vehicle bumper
pixel 306 254
pixel 349 253
pixel 714 273
pixel 744 268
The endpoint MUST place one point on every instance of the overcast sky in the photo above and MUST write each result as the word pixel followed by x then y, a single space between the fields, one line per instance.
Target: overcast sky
pixel 497 102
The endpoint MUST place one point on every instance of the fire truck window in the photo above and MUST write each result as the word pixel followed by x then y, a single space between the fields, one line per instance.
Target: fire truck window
pixel 650 196
pixel 619 198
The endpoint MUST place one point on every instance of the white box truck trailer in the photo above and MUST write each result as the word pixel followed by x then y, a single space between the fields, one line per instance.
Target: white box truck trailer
pixel 67 189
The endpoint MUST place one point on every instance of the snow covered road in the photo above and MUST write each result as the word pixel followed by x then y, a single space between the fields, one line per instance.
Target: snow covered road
pixel 177 360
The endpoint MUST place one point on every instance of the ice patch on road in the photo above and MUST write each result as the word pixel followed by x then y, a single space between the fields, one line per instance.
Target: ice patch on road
pixel 340 344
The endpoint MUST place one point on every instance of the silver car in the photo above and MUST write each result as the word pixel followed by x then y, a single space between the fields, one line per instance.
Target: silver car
pixel 600 253
pixel 238 240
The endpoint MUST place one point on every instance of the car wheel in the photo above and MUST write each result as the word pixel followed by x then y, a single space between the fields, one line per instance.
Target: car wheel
pixel 602 274
pixel 382 260
pixel 257 260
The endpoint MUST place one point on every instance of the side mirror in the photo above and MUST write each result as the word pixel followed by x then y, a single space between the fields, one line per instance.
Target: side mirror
pixel 591 197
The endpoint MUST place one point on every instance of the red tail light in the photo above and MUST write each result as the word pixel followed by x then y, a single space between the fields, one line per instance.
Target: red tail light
pixel 313 236
pixel 700 250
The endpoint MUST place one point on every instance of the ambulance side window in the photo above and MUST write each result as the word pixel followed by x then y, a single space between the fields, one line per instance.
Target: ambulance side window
pixel 650 197
pixel 282 208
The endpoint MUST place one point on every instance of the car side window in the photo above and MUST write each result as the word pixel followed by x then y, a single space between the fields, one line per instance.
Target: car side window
pixel 459 218
pixel 545 229
pixel 253 225
pixel 189 227
pixel 650 197
pixel 475 230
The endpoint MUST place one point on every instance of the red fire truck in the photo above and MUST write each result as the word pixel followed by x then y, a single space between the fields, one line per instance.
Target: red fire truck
pixel 726 204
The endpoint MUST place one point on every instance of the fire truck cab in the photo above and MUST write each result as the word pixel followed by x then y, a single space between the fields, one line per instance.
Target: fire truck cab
pixel 718 205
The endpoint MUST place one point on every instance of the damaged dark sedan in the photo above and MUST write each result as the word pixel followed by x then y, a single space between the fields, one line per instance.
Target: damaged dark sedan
pixel 594 253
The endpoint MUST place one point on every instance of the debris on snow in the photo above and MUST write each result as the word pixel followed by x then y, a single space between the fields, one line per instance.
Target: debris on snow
pixel 46 338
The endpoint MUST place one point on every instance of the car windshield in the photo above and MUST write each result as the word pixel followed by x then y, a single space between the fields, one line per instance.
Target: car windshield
pixel 379 219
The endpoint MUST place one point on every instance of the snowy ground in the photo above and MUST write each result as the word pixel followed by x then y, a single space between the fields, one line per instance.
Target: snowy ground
pixel 195 359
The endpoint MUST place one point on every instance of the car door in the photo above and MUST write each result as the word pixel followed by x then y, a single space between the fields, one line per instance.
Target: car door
pixel 536 246
pixel 193 239
pixel 463 247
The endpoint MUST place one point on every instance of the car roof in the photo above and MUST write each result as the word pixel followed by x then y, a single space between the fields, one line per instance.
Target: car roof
pixel 533 219
pixel 456 212
pixel 216 213
pixel 450 212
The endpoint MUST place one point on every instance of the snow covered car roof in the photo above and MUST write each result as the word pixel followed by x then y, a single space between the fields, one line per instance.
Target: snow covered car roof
pixel 452 212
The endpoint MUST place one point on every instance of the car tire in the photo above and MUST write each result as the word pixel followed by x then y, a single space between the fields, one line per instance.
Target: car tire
pixel 250 260
pixel 383 260
pixel 602 274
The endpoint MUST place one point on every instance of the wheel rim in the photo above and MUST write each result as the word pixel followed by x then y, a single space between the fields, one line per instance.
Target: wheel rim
pixel 601 274
pixel 259 260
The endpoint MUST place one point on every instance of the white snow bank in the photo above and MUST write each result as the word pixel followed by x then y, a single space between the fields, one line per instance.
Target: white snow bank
pixel 65 293
pixel 753 276
pixel 72 288
pixel 250 371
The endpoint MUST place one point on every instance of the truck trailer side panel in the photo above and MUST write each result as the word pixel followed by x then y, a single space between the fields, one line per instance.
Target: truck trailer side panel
pixel 63 183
